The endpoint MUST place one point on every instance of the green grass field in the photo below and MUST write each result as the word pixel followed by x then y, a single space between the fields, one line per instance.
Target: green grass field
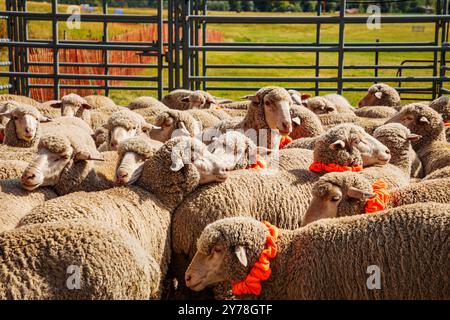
pixel 263 33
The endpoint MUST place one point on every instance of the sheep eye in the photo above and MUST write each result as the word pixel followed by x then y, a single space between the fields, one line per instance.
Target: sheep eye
pixel 335 198
pixel 15 118
pixel 267 103
pixel 217 250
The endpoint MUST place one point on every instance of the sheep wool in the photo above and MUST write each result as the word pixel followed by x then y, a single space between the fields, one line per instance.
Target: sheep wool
pixel 375 112
pixel 309 126
pixel 12 169
pixel 111 263
pixel 11 138
pixel 329 259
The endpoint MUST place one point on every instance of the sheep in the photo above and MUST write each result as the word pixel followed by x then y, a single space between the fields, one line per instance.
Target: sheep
pixel 208 120
pixel 269 110
pixel 433 149
pixel 99 101
pixel 376 112
pixel 182 99
pixel 329 259
pixel 440 173
pixel 23 129
pixel 381 94
pixel 282 196
pixel 40 261
pixel 172 122
pixel 320 105
pixel 304 123
pixel 12 169
pixel 63 161
pixel 341 103
pixel 16 153
pixel 234 109
pixel 130 209
pixel 123 125
pixel 19 99
pixel 441 105
pixel 15 202
pixel 6 107
pixel 70 103
pixel 348 193
pixel 398 139
pixel 298 98
pixel 148 107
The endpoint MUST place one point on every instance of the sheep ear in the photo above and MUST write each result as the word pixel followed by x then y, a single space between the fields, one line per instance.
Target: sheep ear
pixel 177 164
pixel 413 137
pixel 252 98
pixel 45 119
pixel 86 106
pixel 85 155
pixel 338 144
pixel 56 104
pixel 378 94
pixel 6 114
pixel 211 100
pixel 147 127
pixel 241 255
pixel 424 119
pixel 353 192
pixel 185 99
pixel 296 120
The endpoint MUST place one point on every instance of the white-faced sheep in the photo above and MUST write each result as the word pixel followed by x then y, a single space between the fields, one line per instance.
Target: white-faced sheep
pixel 15 202
pixel 70 103
pixel 99 101
pixel 269 110
pixel 397 138
pixel 320 105
pixel 381 94
pixel 148 107
pixel 63 161
pixel 341 103
pixel 182 99
pixel 305 123
pixel 433 149
pixel 344 194
pixel 123 125
pixel 174 122
pixel 329 259
pixel 40 261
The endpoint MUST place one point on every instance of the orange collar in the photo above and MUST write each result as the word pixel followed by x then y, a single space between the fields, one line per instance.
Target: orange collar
pixel 447 124
pixel 259 164
pixel 380 200
pixel 332 167
pixel 285 140
pixel 261 269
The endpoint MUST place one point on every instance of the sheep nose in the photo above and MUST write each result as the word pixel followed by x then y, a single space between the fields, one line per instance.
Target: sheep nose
pixel 28 130
pixel 28 176
pixel 122 176
pixel 188 279
pixel 114 145
pixel 287 126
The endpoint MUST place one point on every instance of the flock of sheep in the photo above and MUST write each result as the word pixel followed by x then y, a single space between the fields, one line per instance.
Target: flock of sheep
pixel 280 196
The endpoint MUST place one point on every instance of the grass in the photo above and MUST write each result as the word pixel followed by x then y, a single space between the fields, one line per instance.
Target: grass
pixel 264 33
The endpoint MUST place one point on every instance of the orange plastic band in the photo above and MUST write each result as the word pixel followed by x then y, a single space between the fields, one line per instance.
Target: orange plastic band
pixel 332 167
pixel 381 199
pixel 259 164
pixel 261 269
pixel 447 124
pixel 285 140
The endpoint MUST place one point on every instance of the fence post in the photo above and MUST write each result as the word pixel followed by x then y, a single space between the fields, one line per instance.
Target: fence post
pixel 56 93
pixel 160 49
pixel 317 74
pixel 105 52
pixel 186 44
pixel 341 45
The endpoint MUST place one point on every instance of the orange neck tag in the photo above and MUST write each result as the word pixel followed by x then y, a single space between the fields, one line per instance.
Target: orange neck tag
pixel 285 140
pixel 259 164
pixel 332 167
pixel 380 200
pixel 261 269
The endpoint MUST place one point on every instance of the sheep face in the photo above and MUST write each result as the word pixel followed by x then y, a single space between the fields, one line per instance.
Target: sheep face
pixel 119 134
pixel 193 152
pixel 69 104
pixel 320 105
pixel 298 97
pixel 336 195
pixel 380 95
pixel 130 168
pixel 195 100
pixel 25 123
pixel 277 113
pixel 227 249
pixel 373 151
pixel 45 169
pixel 166 126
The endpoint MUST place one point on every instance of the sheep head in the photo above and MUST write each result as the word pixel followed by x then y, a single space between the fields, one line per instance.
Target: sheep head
pixel 320 105
pixel 172 124
pixel 338 194
pixel 70 104
pixel 55 153
pixel 380 94
pixel 123 125
pixel 421 120
pixel 276 103
pixel 299 98
pixel 226 251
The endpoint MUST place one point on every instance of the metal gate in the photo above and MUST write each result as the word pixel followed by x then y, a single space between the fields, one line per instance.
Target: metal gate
pixel 183 56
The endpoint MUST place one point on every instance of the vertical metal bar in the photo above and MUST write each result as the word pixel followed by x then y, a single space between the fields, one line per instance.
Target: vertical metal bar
pixel 20 51
pixel 196 41
pixel 443 49
pixel 16 59
pixel 169 55
pixel 186 44
pixel 435 53
pixel 204 39
pixel 177 44
pixel 27 51
pixel 341 45
pixel 377 59
pixel 160 49
pixel 191 39
pixel 56 93
pixel 105 52
pixel 318 27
